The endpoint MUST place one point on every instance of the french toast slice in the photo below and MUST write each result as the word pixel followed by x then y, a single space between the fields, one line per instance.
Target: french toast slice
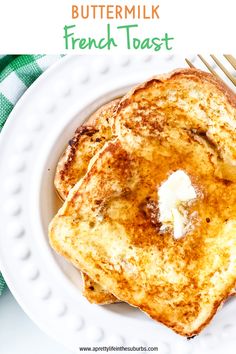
pixel 87 140
pixel 110 225
pixel 72 166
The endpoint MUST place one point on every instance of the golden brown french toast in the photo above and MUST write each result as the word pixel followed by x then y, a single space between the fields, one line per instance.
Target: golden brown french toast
pixel 87 140
pixel 110 224
pixel 72 166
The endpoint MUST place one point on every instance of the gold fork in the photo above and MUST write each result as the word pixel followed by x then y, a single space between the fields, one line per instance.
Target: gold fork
pixel 231 60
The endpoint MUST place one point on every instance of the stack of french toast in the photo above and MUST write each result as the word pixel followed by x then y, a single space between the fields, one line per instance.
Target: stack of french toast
pixel 148 185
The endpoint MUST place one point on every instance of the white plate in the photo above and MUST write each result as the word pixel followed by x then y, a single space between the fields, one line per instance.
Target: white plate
pixel 47 287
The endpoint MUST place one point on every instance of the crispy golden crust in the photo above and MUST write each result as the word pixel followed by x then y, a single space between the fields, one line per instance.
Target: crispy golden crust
pixel 72 166
pixel 107 227
pixel 88 139
pixel 190 73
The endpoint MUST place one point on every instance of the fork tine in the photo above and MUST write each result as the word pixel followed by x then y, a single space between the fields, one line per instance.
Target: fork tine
pixel 189 63
pixel 226 72
pixel 231 60
pixel 208 66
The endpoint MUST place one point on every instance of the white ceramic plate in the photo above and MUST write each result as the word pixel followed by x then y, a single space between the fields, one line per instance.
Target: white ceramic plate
pixel 47 287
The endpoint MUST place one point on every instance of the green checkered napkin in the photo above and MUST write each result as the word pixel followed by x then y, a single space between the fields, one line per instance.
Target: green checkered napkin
pixel 17 73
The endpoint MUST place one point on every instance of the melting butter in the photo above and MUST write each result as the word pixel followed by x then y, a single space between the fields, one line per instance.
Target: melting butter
pixel 174 195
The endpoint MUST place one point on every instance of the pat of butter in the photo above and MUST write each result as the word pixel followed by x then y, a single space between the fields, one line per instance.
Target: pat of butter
pixel 174 194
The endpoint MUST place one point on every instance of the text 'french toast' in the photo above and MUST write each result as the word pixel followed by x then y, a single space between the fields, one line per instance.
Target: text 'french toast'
pixel 110 224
